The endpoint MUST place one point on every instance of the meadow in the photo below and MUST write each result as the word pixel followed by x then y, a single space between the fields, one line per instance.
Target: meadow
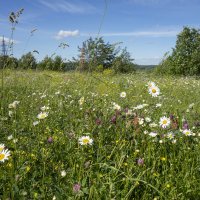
pixel 99 136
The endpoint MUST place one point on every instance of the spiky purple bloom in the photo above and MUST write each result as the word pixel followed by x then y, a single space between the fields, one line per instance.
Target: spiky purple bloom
pixel 113 119
pixel 140 161
pixel 185 125
pixel 50 140
pixel 76 187
pixel 98 121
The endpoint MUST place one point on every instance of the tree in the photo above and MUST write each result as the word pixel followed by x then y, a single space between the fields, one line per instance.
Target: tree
pixel 185 57
pixel 97 52
pixel 27 61
pixel 124 63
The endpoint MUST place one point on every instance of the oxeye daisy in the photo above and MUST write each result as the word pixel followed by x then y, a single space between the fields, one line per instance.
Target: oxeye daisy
pixel 123 94
pixel 85 140
pixel 170 135
pixel 153 134
pixel 164 122
pixel 42 115
pixel 2 146
pixel 187 132
pixel 4 154
pixel 154 91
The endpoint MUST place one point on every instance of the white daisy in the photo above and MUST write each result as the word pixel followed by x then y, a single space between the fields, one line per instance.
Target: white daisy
pixel 123 94
pixel 153 134
pixel 154 91
pixel 164 122
pixel 187 132
pixel 85 140
pixel 4 155
pixel 63 173
pixel 81 100
pixel 42 115
pixel 35 123
pixel 148 119
pixel 170 135
pixel 116 106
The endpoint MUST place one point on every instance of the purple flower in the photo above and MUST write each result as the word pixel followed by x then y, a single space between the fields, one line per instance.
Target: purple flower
pixel 172 117
pixel 140 161
pixel 76 187
pixel 113 119
pixel 185 125
pixel 98 122
pixel 50 140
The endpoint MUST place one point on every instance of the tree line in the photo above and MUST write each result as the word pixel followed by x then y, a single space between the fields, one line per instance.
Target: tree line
pixel 94 55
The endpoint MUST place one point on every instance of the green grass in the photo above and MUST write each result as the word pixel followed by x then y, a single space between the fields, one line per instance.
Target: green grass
pixel 108 168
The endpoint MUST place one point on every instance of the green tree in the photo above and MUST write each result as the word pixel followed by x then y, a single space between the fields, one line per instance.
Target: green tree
pixel 27 61
pixel 124 63
pixel 97 52
pixel 185 57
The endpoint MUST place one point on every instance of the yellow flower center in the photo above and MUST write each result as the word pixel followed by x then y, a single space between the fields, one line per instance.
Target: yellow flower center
pixel 2 156
pixel 187 133
pixel 153 90
pixel 85 141
pixel 164 121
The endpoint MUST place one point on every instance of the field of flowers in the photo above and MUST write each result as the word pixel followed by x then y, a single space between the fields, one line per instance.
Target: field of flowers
pixel 93 136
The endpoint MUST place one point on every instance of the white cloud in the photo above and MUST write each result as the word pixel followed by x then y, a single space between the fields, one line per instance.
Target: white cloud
pixel 62 34
pixel 8 40
pixel 172 33
pixel 66 6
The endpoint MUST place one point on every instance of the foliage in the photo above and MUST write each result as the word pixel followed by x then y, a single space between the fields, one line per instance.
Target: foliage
pixel 27 61
pixel 185 57
pixel 96 52
pixel 123 63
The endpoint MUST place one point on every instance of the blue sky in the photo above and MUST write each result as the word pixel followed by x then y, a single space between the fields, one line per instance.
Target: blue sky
pixel 148 28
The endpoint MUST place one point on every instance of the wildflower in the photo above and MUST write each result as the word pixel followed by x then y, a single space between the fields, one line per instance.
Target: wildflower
pixel 185 125
pixel 35 123
pixel 4 154
pixel 85 140
pixel 42 115
pixel 50 140
pixel 10 137
pixel 116 106
pixel 63 173
pixel 163 158
pixel 123 94
pixel 154 91
pixel 76 187
pixel 81 100
pixel 98 122
pixel 141 121
pixel 164 122
pixel 10 113
pixel 15 140
pixel 152 125
pixel 170 135
pixel 113 119
pixel 147 119
pixel 14 104
pixel 54 197
pixel 153 134
pixel 158 105
pixel 140 161
pixel 187 132
pixel 2 146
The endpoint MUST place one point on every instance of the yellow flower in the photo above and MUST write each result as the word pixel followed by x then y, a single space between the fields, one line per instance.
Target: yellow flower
pixel 163 158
